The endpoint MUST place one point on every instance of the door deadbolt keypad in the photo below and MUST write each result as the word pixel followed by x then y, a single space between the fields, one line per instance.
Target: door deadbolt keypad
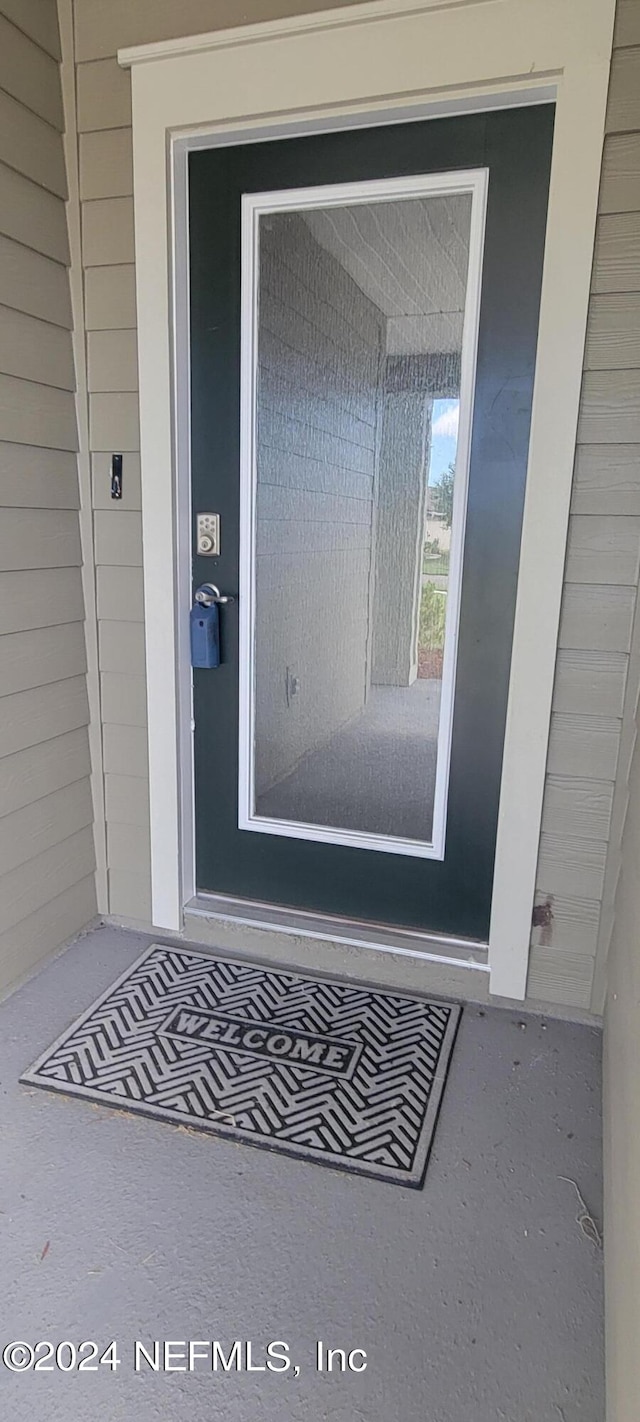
pixel 208 535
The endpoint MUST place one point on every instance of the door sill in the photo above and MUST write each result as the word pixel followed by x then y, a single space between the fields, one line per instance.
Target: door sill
pixel 354 933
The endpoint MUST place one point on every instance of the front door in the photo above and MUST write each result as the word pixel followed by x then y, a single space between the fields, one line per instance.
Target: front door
pixel 364 310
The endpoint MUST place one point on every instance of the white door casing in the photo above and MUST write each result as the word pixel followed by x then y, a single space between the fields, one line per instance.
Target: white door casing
pixel 383 61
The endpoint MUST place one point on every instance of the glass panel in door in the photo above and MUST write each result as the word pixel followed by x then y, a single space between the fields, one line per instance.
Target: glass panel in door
pixel 359 335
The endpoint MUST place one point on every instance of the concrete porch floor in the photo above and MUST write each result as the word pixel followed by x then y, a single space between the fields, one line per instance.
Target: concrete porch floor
pixel 476 1299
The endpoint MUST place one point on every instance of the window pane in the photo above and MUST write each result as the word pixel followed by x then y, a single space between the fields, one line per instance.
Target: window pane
pixel 360 318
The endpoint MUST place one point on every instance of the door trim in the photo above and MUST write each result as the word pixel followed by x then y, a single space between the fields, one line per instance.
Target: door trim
pixel 353 933
pixel 419 58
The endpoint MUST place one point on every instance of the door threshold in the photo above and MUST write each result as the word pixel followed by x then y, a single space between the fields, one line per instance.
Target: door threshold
pixel 353 933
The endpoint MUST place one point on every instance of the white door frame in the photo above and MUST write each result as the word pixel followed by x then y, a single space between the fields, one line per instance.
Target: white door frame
pixel 382 61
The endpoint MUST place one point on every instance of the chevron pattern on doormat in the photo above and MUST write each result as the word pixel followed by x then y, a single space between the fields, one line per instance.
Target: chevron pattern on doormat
pixel 330 1071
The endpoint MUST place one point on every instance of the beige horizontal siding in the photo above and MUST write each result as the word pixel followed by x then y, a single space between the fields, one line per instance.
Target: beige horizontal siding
pixel 107 232
pixel 104 96
pixel 40 597
pixel 124 705
pixel 33 884
pixel 114 422
pixel 124 698
pixel 616 964
pixel 106 164
pixel 31 146
pixel 39 826
pixel 37 770
pixel 127 800
pixel 118 537
pixel 617 253
pixel 110 298
pixel 33 283
pixel 47 889
pixel 122 647
pixel 112 361
pixel 578 808
pixel 620 182
pixel 571 866
pixel 623 109
pixel 40 656
pixel 35 350
pixel 29 74
pixel 627 24
pixel 558 976
pixel 127 851
pixel 130 894
pixel 583 746
pixel 37 477
pixel 32 413
pixel 610 407
pixel 40 714
pixel 590 683
pixel 120 594
pixel 603 550
pixel 613 334
pixel 36 18
pixel 125 750
pixel 32 216
pixel 26 943
pixel 607 480
pixel 602 566
pixel 39 538
pixel 597 616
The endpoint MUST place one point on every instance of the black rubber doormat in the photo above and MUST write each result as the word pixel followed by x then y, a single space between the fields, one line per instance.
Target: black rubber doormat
pixel 333 1072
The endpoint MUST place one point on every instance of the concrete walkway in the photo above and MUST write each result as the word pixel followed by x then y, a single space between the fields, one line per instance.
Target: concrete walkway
pixel 476 1299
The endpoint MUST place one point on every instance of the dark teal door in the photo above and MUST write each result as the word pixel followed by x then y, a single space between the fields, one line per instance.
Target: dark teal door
pixel 364 310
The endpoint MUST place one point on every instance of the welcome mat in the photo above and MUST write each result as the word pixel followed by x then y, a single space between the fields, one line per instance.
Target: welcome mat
pixel 343 1074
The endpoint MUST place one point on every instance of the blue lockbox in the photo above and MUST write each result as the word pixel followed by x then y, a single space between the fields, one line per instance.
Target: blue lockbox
pixel 205 635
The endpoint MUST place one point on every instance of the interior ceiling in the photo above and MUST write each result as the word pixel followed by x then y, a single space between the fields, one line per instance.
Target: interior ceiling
pixel 410 257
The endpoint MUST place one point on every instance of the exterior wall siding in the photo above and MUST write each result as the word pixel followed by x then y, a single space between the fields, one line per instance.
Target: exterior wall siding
pixel 621 1071
pixel 574 879
pixel 604 543
pixel 47 890
pixel 618 957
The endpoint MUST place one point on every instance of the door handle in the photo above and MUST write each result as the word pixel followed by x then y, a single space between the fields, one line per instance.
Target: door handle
pixel 205 626
pixel 208 595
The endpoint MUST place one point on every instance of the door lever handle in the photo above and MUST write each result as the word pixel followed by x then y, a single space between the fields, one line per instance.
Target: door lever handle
pixel 208 594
